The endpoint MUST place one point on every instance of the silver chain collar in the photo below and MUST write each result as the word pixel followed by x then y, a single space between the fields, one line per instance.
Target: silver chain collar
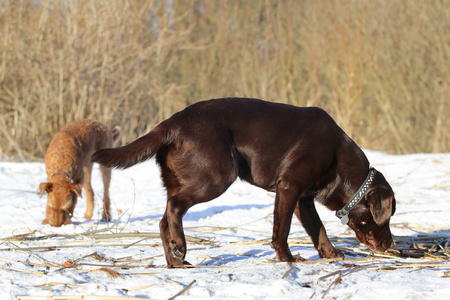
pixel 342 214
pixel 60 172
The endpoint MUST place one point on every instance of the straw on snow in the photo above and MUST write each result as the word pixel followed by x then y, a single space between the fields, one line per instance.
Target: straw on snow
pixel 428 247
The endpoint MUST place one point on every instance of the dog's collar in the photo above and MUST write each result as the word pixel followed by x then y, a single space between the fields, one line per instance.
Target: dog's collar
pixel 343 213
pixel 60 172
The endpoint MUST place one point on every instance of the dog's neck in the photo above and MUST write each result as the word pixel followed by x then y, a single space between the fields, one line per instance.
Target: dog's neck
pixel 354 175
pixel 347 179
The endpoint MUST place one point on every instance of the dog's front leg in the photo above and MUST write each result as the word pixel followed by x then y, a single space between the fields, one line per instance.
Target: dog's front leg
pixel 68 214
pixel 172 234
pixel 285 201
pixel 307 214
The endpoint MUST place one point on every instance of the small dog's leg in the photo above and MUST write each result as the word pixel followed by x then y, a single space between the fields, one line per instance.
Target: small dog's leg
pixel 69 213
pixel 47 215
pixel 89 191
pixel 106 175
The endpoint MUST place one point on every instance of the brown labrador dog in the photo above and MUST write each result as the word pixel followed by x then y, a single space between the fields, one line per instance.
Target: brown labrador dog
pixel 68 167
pixel 301 154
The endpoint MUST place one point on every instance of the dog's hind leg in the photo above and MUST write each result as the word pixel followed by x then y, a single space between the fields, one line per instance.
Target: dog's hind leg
pixel 307 214
pixel 106 175
pixel 285 201
pixel 171 226
pixel 87 169
pixel 172 234
pixel 190 178
pixel 180 199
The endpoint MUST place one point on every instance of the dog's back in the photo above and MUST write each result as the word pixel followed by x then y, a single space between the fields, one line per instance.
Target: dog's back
pixel 236 130
pixel 74 144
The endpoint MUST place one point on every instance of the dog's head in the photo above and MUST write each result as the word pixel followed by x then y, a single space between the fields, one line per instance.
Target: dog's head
pixel 60 198
pixel 370 218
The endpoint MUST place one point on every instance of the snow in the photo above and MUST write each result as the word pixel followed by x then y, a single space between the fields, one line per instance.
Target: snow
pixel 235 257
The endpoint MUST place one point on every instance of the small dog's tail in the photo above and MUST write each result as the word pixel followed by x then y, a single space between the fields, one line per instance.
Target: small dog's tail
pixel 138 151
pixel 116 134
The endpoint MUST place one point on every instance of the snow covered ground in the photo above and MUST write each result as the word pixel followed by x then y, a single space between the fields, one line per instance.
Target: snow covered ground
pixel 230 239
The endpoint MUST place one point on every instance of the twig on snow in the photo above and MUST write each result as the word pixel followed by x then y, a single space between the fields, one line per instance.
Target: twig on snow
pixel 108 271
pixel 184 290
pixel 291 268
pixel 335 282
pixel 21 270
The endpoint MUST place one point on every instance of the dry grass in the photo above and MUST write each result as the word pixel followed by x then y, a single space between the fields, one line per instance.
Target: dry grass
pixel 423 246
pixel 379 67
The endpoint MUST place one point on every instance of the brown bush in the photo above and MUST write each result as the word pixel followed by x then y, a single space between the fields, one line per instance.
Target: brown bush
pixel 380 68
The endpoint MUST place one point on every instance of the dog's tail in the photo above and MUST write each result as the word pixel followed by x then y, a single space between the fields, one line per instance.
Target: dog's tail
pixel 138 151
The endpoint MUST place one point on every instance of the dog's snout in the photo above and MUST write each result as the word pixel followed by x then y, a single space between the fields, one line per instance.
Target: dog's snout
pixel 384 245
pixel 388 243
pixel 58 218
pixel 371 244
pixel 56 224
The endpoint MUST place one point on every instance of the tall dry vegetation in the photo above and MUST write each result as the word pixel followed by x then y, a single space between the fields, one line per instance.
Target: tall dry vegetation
pixel 380 68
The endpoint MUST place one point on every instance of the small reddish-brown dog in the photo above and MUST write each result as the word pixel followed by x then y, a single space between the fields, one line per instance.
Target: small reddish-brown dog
pixel 68 168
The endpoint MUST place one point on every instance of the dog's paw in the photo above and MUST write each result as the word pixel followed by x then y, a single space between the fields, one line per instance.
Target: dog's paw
pixel 176 264
pixel 331 253
pixel 177 259
pixel 288 257
pixel 105 219
pixel 45 221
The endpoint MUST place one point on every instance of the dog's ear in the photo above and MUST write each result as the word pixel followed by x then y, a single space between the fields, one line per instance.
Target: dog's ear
pixel 76 188
pixel 45 187
pixel 381 204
